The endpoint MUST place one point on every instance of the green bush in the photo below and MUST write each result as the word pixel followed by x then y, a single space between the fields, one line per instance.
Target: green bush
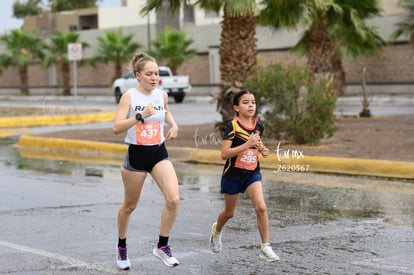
pixel 293 105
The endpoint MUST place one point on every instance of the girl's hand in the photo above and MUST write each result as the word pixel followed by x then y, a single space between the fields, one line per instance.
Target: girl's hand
pixel 264 151
pixel 172 133
pixel 254 140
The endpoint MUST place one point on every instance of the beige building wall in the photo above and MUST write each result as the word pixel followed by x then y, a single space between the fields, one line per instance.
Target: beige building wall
pixel 391 7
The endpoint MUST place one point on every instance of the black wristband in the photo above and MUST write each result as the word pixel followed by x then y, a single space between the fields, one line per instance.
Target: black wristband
pixel 138 117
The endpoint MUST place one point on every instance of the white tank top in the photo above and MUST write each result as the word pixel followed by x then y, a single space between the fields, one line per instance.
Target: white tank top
pixel 152 131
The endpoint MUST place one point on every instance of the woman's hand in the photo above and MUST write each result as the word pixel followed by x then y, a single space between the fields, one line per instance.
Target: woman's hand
pixel 148 111
pixel 172 133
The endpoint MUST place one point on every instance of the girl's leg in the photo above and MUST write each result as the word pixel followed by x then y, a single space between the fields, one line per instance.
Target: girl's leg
pixel 255 193
pixel 230 202
pixel 164 175
pixel 133 182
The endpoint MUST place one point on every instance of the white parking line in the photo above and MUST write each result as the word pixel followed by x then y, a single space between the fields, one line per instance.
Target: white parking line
pixel 67 260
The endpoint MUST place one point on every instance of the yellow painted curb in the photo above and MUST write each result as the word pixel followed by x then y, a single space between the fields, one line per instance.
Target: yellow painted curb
pixel 79 150
pixel 4 134
pixel 9 122
pixel 73 150
pixel 349 166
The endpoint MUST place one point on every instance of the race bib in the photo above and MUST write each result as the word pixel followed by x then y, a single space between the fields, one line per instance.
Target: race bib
pixel 247 159
pixel 148 133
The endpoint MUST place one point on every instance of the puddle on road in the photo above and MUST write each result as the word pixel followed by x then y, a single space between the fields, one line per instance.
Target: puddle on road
pixel 292 199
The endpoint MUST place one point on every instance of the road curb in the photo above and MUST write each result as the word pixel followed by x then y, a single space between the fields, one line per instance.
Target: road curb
pixel 111 153
pixel 26 121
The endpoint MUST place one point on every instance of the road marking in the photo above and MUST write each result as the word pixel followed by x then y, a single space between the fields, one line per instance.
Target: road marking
pixel 67 260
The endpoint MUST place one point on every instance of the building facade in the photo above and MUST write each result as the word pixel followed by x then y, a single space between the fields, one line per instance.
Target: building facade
pixel 204 28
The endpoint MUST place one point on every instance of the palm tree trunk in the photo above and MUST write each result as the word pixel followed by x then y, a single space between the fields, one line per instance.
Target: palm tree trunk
pixel 118 71
pixel 339 74
pixel 237 61
pixel 24 88
pixel 319 51
pixel 66 78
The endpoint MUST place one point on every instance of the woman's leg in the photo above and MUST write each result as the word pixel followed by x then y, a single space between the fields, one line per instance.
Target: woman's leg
pixel 166 178
pixel 255 193
pixel 230 202
pixel 133 182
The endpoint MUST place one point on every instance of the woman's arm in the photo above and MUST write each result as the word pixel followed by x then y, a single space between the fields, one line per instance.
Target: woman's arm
pixel 173 131
pixel 122 122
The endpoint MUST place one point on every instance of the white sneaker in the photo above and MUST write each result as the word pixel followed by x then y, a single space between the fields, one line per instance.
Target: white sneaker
pixel 268 254
pixel 165 255
pixel 122 261
pixel 215 240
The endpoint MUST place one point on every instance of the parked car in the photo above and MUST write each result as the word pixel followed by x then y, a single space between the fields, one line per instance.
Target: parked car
pixel 175 85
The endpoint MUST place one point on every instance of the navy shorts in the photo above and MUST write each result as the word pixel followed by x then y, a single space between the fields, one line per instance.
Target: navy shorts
pixel 232 187
pixel 141 158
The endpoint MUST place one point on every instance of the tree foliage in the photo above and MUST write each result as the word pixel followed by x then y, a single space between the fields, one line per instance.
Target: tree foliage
pixel 292 106
pixel 332 29
pixel 172 48
pixel 23 48
pixel 30 7
pixel 117 47
pixel 63 5
pixel 406 25
pixel 58 54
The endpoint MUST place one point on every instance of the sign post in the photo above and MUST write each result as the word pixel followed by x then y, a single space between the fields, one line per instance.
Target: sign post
pixel 75 53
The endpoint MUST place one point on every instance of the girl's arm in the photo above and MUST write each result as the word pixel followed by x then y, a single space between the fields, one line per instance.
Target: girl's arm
pixel 263 149
pixel 173 131
pixel 228 152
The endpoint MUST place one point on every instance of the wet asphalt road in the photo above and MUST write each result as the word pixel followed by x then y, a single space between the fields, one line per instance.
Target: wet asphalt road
pixel 56 220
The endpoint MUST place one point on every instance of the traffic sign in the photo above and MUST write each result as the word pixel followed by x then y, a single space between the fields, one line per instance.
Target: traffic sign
pixel 74 51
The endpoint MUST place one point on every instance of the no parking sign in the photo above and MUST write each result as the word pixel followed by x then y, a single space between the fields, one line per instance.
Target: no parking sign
pixel 74 51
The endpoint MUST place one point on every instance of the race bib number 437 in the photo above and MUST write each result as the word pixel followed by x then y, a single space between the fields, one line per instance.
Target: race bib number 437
pixel 148 133
pixel 247 159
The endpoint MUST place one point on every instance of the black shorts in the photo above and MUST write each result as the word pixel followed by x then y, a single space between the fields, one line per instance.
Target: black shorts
pixel 141 158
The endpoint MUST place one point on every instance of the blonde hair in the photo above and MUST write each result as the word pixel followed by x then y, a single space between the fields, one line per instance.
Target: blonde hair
pixel 139 60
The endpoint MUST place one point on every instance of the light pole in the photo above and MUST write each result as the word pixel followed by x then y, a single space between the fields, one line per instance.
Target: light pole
pixel 148 31
pixel 143 2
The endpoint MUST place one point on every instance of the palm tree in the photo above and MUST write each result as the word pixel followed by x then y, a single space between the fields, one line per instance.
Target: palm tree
pixel 237 46
pixel 406 26
pixel 24 48
pixel 332 29
pixel 64 5
pixel 115 47
pixel 171 46
pixel 58 54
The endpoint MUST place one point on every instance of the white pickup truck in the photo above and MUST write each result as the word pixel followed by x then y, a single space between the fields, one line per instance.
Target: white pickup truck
pixel 175 85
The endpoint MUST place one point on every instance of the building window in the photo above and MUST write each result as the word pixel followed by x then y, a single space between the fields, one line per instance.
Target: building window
pixel 73 28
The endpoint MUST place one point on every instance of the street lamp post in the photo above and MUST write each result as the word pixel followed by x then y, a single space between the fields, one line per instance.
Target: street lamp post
pixel 148 32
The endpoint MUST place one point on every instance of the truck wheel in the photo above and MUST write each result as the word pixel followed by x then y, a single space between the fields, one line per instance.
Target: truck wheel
pixel 117 95
pixel 178 98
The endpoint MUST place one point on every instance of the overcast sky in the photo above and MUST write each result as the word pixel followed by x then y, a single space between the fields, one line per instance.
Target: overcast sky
pixel 8 22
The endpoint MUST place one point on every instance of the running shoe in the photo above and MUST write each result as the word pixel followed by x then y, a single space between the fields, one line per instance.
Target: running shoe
pixel 122 261
pixel 268 254
pixel 215 240
pixel 165 255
